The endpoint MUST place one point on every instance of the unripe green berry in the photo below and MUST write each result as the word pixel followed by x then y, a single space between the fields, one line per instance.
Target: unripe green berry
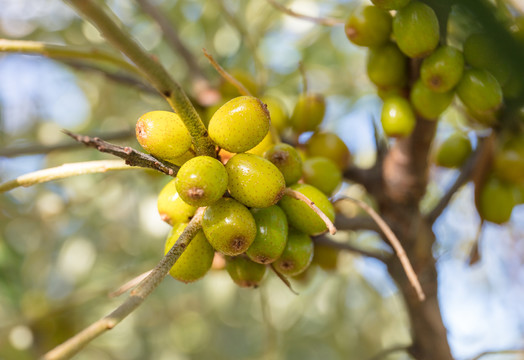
pixel 496 201
pixel 171 207
pixel 301 216
pixel 427 103
pixel 201 181
pixel 196 259
pixel 386 66
pixel 416 29
pixel 390 4
pixel 254 181
pixel 278 113
pixel 229 91
pixel 244 272
pixel 508 163
pixel 271 236
pixel 397 117
pixel 286 158
pixel 229 226
pixel 454 151
pixel 297 255
pixel 323 174
pixel 442 70
pixel 481 52
pixel 329 145
pixel 479 91
pixel 308 112
pixel 263 146
pixel 368 26
pixel 326 257
pixel 240 124
pixel 163 134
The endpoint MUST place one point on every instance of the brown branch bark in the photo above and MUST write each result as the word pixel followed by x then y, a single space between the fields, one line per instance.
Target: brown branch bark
pixel 130 155
pixel 343 222
pixel 324 240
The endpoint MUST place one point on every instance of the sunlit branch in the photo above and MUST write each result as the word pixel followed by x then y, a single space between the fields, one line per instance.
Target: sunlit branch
pixel 73 345
pixel 316 20
pixel 151 68
pixel 64 52
pixel 131 156
pixel 64 171
pixel 395 243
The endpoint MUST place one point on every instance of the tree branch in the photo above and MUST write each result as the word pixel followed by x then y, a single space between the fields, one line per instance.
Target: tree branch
pixel 45 149
pixel 204 93
pixel 465 175
pixel 324 240
pixel 370 178
pixel 73 345
pixel 64 171
pixel 395 243
pixel 343 222
pixel 131 156
pixel 155 72
pixel 64 52
pixel 316 20
pixel 227 76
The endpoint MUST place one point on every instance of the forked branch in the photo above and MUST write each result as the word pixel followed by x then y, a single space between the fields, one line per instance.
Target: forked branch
pixel 395 243
pixel 73 345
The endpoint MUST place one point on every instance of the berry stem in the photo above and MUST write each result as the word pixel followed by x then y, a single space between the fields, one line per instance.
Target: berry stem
pixel 395 243
pixel 73 345
pixel 130 284
pixel 301 197
pixel 283 278
pixel 227 76
pixel 102 19
pixel 64 171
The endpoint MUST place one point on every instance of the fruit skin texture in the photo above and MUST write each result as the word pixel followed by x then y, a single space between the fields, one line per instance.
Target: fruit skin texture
pixel 496 201
pixel 397 117
pixel 287 159
pixel 416 29
pixel 263 146
pixel 240 124
pixel 442 70
pixel 386 66
pixel 322 173
pixel 454 151
pixel 300 216
pixel 229 226
pixel 244 272
pixel 163 134
pixel 171 207
pixel 508 163
pixel 271 236
pixel 329 145
pixel 277 112
pixel 427 103
pixel 479 91
pixel 308 112
pixel 369 26
pixel 254 181
pixel 196 259
pixel 297 255
pixel 201 181
pixel 390 4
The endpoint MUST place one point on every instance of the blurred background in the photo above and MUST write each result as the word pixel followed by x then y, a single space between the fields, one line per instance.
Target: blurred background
pixel 65 245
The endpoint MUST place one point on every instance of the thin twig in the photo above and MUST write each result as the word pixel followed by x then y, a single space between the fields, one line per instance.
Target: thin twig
pixel 382 354
pixel 343 222
pixel 151 68
pixel 129 285
pixel 64 171
pixel 131 156
pixel 316 20
pixel 227 76
pixel 73 345
pixel 46 149
pixel 283 278
pixel 465 175
pixel 301 197
pixel 395 243
pixel 324 240
pixel 203 91
pixel 491 352
pixel 67 52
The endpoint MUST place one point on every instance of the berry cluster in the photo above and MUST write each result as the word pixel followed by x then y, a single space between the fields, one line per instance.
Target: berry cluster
pixel 257 193
pixel 477 74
